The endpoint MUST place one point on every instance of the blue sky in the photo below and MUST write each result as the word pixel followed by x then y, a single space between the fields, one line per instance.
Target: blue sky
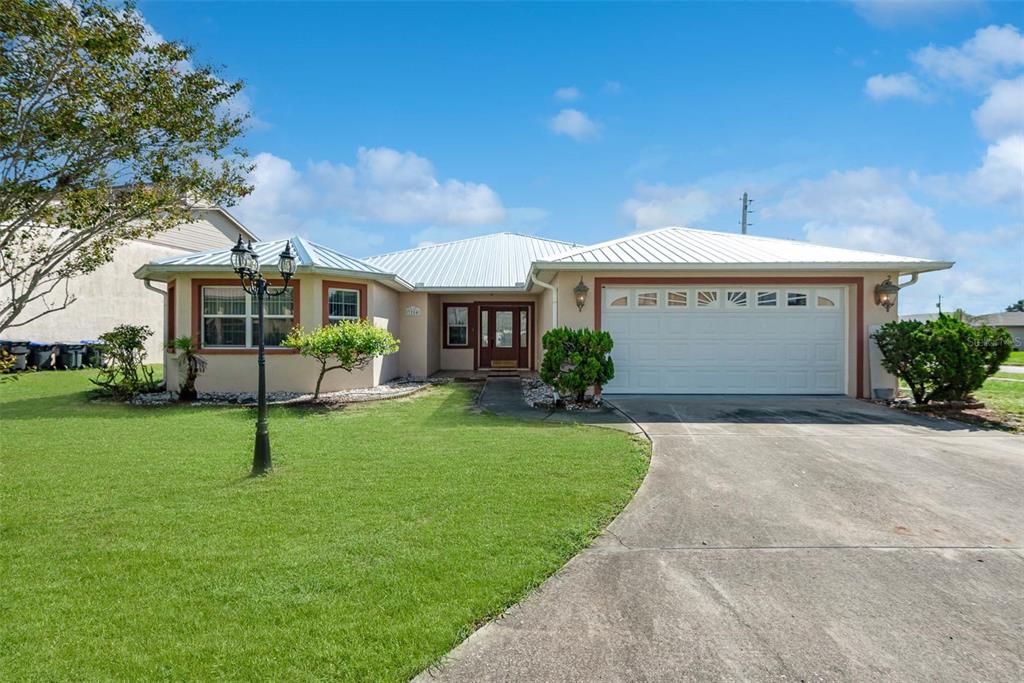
pixel 894 127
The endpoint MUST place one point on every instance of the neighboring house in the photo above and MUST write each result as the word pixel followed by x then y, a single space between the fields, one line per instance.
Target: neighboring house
pixel 690 311
pixel 111 295
pixel 1011 321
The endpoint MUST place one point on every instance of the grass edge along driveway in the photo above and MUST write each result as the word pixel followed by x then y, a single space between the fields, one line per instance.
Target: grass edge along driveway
pixel 134 546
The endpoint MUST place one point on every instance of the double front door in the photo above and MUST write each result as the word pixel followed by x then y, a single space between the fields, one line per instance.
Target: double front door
pixel 504 336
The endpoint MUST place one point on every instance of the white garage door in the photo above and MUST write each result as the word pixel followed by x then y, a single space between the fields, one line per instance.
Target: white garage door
pixel 728 340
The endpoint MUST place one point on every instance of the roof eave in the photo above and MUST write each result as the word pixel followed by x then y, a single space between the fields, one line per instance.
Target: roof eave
pixel 901 267
pixel 162 273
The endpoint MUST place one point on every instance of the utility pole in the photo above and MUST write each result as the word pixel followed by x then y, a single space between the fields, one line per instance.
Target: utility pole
pixel 746 209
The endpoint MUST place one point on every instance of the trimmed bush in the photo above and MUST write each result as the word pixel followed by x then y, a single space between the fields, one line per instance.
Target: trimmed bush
pixel 576 360
pixel 944 359
pixel 351 344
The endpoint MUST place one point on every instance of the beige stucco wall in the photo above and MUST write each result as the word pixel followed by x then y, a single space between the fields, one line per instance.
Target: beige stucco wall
pixel 111 295
pixel 568 315
pixel 236 371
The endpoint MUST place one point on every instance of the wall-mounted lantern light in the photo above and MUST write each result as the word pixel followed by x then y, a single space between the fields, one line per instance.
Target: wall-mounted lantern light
pixel 580 291
pixel 886 293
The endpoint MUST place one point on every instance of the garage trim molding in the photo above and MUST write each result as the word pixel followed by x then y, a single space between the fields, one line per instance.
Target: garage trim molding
pixel 856 283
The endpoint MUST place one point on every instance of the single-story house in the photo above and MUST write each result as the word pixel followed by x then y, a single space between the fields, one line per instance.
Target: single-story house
pixel 690 311
pixel 1011 321
pixel 111 296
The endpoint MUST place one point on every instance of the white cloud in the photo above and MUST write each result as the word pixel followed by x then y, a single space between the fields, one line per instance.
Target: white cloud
pixel 568 94
pixel 992 51
pixel 863 209
pixel 611 88
pixel 575 124
pixel 890 13
pixel 384 186
pixel 660 205
pixel 882 87
pixel 1001 174
pixel 1002 114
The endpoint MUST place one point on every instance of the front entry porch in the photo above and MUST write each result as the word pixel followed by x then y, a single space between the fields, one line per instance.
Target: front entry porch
pixel 504 336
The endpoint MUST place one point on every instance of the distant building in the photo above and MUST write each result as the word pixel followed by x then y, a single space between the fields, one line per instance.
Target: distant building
pixel 112 295
pixel 1012 322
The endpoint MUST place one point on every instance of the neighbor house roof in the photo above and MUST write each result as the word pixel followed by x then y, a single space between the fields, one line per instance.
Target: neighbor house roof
pixel 310 257
pixel 1006 319
pixel 684 248
pixel 498 261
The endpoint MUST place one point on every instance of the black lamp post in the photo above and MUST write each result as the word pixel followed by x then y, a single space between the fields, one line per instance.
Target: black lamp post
pixel 247 266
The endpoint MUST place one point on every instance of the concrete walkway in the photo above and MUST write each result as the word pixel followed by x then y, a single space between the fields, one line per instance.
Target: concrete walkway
pixel 782 538
pixel 1016 369
pixel 504 396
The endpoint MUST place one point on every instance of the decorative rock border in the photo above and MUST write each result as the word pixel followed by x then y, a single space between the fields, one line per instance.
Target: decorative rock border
pixel 381 392
pixel 539 395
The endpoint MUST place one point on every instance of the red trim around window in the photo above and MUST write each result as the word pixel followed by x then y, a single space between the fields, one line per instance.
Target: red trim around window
pixel 335 284
pixel 172 309
pixel 197 315
pixel 856 282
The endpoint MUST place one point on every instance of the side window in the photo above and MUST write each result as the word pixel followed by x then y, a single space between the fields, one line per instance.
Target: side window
pixel 457 327
pixel 342 304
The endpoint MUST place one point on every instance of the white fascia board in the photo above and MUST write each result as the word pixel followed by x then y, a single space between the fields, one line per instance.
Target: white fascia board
pixel 161 273
pixel 901 267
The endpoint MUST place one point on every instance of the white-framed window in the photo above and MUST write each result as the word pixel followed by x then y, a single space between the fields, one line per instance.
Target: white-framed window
pixel 230 318
pixel 707 298
pixel 736 298
pixel 796 299
pixel 647 299
pixel 617 298
pixel 767 299
pixel 826 298
pixel 342 304
pixel 677 298
pixel 457 326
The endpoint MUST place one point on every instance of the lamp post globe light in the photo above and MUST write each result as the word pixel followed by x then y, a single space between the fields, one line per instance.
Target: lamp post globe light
pixel 246 264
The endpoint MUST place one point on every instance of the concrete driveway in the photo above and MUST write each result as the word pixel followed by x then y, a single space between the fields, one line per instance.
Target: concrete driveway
pixel 788 539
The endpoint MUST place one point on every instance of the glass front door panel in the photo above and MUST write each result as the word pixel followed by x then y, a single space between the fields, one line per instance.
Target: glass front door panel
pixel 503 329
pixel 484 330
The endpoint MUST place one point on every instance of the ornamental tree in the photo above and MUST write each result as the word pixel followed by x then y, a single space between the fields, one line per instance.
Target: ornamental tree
pixel 347 345
pixel 576 360
pixel 107 134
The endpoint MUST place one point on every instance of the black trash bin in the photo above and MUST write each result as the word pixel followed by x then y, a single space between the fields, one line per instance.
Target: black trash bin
pixel 93 354
pixel 71 355
pixel 44 355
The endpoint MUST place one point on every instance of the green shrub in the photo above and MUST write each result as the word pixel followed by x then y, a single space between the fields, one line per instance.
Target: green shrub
pixel 191 365
pixel 351 344
pixel 943 359
pixel 7 361
pixel 125 374
pixel 576 360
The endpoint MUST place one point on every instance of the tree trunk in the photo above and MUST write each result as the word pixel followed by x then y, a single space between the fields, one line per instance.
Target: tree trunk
pixel 319 380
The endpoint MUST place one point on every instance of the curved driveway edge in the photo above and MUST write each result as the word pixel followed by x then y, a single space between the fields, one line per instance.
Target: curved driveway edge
pixel 792 538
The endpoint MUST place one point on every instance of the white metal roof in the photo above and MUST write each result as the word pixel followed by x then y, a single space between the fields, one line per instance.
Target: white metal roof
pixel 309 256
pixel 498 261
pixel 688 247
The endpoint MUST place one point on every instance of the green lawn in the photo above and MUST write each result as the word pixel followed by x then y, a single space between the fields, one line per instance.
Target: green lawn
pixel 1016 358
pixel 1005 397
pixel 134 546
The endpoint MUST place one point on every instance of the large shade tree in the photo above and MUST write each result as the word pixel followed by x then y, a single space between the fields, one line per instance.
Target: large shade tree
pixel 107 134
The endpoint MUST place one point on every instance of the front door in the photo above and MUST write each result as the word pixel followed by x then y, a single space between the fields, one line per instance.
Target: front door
pixel 503 341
